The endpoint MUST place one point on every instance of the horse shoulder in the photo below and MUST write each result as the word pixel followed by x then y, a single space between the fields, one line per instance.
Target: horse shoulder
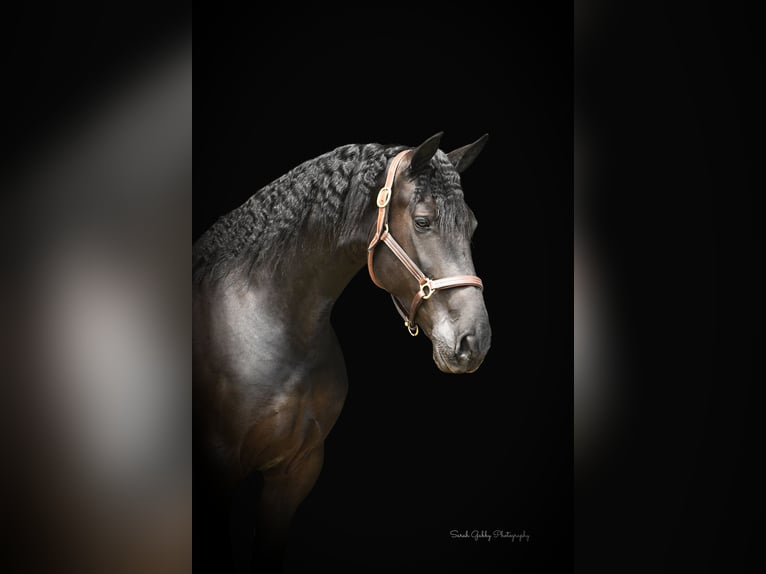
pixel 275 394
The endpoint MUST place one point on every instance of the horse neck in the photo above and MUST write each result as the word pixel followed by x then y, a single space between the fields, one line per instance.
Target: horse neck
pixel 304 288
pixel 305 285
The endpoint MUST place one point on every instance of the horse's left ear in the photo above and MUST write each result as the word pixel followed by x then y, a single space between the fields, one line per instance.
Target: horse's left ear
pixel 462 157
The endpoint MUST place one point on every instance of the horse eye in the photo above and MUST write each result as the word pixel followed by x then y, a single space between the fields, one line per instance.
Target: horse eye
pixel 422 223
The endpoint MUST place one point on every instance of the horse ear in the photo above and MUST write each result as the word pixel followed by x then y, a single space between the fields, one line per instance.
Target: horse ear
pixel 422 155
pixel 462 157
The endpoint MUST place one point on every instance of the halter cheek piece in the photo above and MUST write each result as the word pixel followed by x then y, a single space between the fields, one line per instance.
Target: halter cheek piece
pixel 427 285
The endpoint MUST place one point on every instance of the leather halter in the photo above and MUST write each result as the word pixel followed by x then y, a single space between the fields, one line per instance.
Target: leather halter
pixel 427 285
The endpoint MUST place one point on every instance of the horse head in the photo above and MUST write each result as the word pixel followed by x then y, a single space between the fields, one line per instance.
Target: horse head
pixel 428 268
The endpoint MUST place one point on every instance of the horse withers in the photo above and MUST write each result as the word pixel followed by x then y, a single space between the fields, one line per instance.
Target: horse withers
pixel 269 374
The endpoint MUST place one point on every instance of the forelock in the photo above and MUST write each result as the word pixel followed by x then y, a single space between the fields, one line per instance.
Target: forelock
pixel 442 181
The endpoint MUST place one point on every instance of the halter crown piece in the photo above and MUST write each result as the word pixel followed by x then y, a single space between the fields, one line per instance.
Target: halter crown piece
pixel 427 285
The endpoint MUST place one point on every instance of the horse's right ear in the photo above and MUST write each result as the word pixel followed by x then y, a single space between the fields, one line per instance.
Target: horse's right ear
pixel 462 157
pixel 422 155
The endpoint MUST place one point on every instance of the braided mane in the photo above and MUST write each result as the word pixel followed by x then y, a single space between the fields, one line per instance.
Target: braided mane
pixel 328 195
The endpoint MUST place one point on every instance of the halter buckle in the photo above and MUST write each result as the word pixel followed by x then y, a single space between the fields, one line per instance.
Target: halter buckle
pixel 414 332
pixel 430 289
pixel 384 196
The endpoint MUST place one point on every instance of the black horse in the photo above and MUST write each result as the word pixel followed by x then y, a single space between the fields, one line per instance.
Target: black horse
pixel 269 375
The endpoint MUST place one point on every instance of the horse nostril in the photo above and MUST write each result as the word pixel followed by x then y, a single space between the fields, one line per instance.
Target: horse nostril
pixel 466 348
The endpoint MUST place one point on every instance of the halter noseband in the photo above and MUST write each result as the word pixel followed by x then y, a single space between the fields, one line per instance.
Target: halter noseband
pixel 427 285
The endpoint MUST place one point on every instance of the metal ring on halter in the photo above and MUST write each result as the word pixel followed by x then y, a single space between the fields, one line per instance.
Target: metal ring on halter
pixel 427 284
pixel 414 332
pixel 384 196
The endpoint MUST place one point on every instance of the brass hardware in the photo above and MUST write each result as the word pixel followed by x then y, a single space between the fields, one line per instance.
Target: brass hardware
pixel 384 196
pixel 414 332
pixel 426 294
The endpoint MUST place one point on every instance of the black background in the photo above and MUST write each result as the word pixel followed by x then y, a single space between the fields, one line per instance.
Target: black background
pixel 675 104
pixel 417 453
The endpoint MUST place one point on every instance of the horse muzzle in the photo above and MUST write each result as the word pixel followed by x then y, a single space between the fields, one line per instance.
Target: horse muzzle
pixel 464 353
